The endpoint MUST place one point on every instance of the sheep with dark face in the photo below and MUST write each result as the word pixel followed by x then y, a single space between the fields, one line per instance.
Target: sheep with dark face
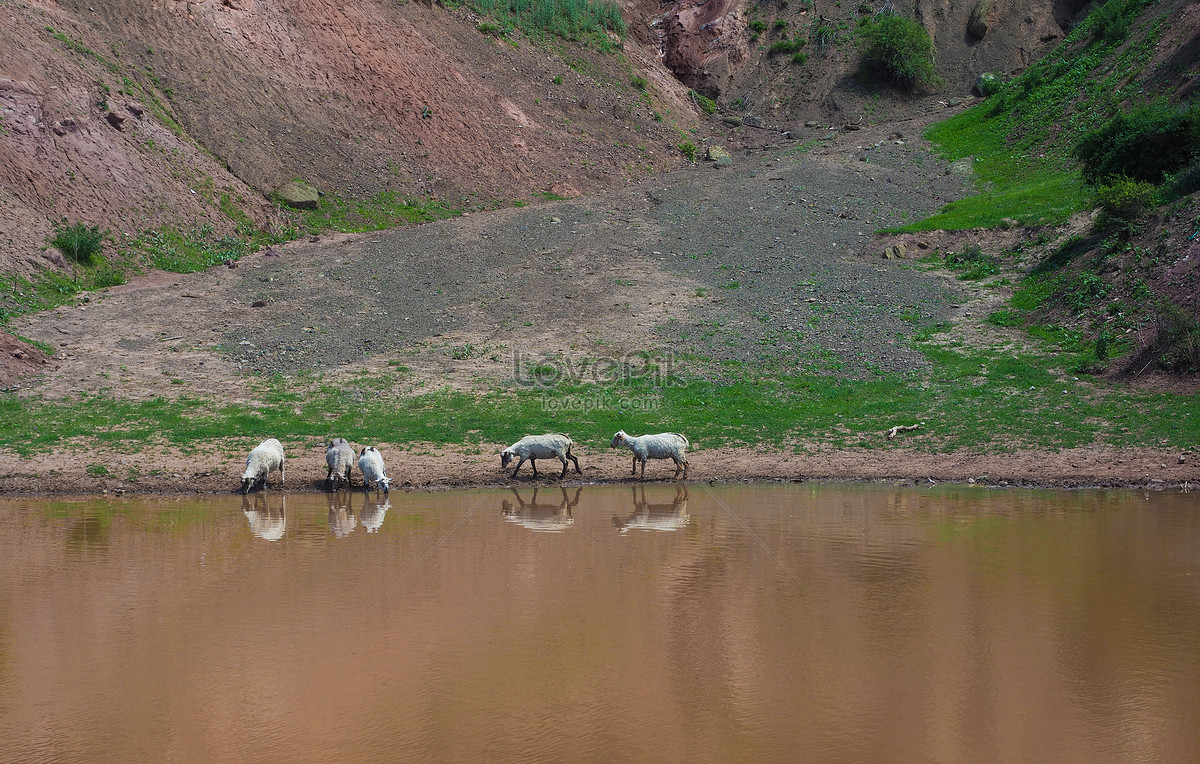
pixel 370 462
pixel 534 447
pixel 665 445
pixel 261 462
pixel 339 457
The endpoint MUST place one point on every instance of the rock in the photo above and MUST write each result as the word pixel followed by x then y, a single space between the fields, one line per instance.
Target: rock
pixel 895 252
pixel 851 127
pixel 136 109
pixel 955 102
pixel 298 195
pixel 985 84
pixel 718 155
pixel 732 119
pixel 977 23
pixel 812 124
pixel 116 120
pixel 751 121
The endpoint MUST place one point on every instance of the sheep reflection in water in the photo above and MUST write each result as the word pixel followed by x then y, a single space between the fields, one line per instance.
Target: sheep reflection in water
pixel 373 512
pixel 341 515
pixel 655 517
pixel 543 516
pixel 267 515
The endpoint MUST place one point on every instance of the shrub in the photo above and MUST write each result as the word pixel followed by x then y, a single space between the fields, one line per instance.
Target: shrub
pixel 899 51
pixel 1123 202
pixel 1147 143
pixel 689 150
pixel 1111 22
pixel 638 83
pixel 706 104
pixel 786 46
pixel 1184 183
pixel 758 26
pixel 78 243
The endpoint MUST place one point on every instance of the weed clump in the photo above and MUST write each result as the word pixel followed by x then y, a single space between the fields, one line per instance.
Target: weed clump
pixel 79 243
pixel 898 51
pixel 1123 202
pixel 688 149
pixel 1147 143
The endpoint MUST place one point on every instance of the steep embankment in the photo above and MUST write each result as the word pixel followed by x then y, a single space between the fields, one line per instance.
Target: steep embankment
pixel 134 114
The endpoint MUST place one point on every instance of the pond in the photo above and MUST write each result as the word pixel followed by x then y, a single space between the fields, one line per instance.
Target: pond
pixel 818 622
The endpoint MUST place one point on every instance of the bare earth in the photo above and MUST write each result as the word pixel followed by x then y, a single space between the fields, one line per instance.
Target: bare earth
pixel 706 265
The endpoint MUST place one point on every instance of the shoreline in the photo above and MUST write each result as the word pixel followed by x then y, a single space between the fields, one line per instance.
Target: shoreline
pixel 64 472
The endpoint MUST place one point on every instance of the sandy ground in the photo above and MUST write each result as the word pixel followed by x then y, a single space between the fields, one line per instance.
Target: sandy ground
pixel 66 471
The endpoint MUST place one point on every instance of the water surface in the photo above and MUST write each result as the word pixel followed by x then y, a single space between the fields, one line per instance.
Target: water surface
pixel 739 623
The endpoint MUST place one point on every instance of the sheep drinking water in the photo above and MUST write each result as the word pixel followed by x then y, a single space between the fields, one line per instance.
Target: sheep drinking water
pixel 339 456
pixel 665 445
pixel 370 462
pixel 265 458
pixel 534 447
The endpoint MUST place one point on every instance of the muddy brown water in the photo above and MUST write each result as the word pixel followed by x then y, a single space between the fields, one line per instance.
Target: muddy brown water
pixel 737 623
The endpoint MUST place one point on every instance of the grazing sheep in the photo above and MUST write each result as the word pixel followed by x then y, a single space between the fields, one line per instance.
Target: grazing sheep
pixel 534 447
pixel 340 458
pixel 665 445
pixel 370 462
pixel 266 457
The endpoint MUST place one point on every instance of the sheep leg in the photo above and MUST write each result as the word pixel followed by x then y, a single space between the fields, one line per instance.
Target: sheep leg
pixel 533 463
pixel 678 467
pixel 634 471
pixel 643 469
pixel 514 472
pixel 282 474
pixel 576 461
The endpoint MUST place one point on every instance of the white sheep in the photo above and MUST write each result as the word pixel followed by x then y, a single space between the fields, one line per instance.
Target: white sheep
pixel 339 456
pixel 665 445
pixel 534 447
pixel 265 458
pixel 370 463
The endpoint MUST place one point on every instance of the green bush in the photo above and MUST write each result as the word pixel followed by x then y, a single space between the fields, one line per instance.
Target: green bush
pixel 584 21
pixel 1111 22
pixel 899 51
pixel 689 150
pixel 78 243
pixel 786 46
pixel 1123 202
pixel 1147 143
pixel 638 83
pixel 758 25
pixel 706 104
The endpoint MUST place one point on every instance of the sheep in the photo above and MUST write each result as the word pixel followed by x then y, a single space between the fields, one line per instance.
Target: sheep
pixel 534 447
pixel 265 523
pixel 665 445
pixel 266 457
pixel 370 462
pixel 339 456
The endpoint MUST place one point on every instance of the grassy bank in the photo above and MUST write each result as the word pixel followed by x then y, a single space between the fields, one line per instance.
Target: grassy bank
pixel 977 401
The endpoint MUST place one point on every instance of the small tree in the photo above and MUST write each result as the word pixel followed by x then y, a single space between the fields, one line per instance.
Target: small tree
pixel 79 243
pixel 899 51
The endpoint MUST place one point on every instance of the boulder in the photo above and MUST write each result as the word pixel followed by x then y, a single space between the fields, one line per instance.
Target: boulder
pixel 985 84
pixel 977 23
pixel 116 120
pixel 718 156
pixel 298 195
pixel 732 119
pixel 895 252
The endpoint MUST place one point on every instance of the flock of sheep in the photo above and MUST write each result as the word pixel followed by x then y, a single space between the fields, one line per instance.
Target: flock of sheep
pixel 268 457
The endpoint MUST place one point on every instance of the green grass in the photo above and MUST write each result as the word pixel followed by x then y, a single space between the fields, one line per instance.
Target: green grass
pixel 587 22
pixel 1021 140
pixel 386 209
pixel 985 400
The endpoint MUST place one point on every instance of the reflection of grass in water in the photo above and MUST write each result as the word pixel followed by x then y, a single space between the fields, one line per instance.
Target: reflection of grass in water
pixel 971 399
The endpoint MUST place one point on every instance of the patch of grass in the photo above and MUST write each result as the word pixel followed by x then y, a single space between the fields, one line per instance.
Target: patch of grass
pixel 385 209
pixel 898 51
pixel 79 243
pixel 978 400
pixel 706 104
pixel 587 22
pixel 688 149
pixel 189 251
